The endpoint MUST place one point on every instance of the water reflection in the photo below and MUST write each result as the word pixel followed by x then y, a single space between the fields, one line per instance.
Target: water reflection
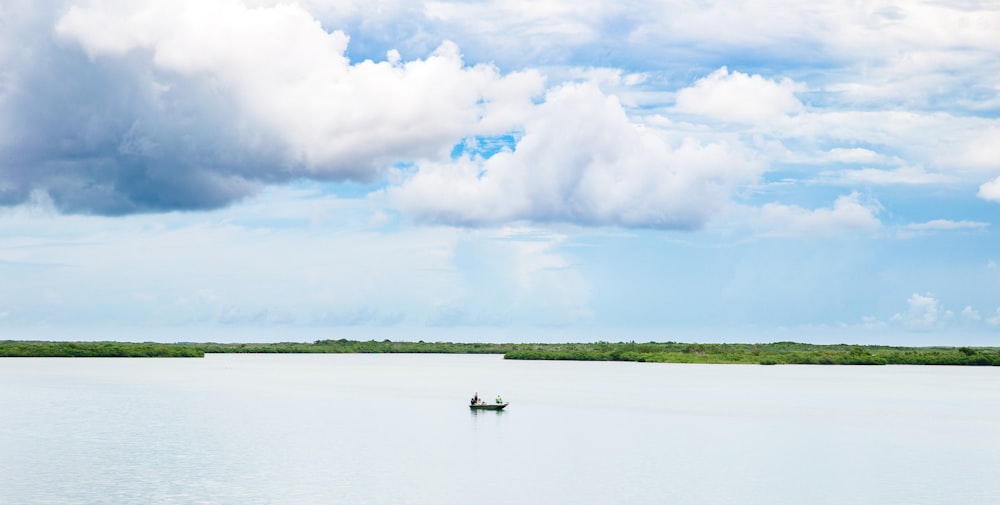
pixel 481 412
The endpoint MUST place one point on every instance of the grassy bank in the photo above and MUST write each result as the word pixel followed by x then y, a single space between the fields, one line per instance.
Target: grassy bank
pixel 654 352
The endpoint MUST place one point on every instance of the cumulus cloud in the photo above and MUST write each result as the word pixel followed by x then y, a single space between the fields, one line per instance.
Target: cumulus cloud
pixel 739 97
pixel 197 104
pixel 112 106
pixel 990 190
pixel 971 314
pixel 194 105
pixel 924 312
pixel 291 75
pixel 849 212
pixel 581 160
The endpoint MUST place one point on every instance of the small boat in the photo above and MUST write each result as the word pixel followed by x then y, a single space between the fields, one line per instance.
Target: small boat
pixel 488 406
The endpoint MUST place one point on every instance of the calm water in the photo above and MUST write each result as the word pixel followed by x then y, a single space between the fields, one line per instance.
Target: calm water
pixel 395 429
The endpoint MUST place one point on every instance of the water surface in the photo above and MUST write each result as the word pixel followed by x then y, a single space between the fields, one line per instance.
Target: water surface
pixel 395 429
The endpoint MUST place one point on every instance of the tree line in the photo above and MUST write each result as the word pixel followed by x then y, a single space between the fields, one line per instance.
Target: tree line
pixel 777 353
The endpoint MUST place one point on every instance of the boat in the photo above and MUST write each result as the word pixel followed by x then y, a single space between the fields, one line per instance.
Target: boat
pixel 488 406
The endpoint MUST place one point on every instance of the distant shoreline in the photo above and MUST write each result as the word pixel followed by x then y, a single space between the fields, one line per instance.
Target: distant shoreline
pixel 778 353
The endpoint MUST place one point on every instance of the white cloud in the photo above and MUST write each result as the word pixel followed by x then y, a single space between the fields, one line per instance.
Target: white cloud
pixel 971 314
pixel 739 97
pixel 919 78
pixel 581 160
pixel 923 313
pixel 903 175
pixel 848 213
pixel 903 147
pixel 995 319
pixel 854 155
pixel 946 224
pixel 990 190
pixel 978 151
pixel 508 22
pixel 133 106
pixel 274 78
pixel 920 44
pixel 910 133
pixel 939 225
pixel 293 79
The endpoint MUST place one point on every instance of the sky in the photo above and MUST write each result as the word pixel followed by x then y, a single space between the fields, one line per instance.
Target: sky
pixel 543 171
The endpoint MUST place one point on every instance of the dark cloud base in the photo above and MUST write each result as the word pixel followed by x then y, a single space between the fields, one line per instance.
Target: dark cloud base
pixel 108 137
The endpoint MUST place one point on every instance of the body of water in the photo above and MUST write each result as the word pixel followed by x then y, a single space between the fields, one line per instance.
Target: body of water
pixel 396 429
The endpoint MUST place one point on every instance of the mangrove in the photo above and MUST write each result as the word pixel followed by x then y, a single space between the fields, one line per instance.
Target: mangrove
pixel 777 353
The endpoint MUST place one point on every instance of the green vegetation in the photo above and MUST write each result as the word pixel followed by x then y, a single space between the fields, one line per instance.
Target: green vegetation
pixel 18 348
pixel 779 353
pixel 355 346
pixel 13 348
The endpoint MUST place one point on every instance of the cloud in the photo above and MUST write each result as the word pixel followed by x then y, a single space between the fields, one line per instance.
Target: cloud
pixel 929 48
pixel 994 320
pixel 194 105
pixel 904 175
pixel 900 135
pixel 946 224
pixel 971 314
pixel 116 107
pixel 902 147
pixel 525 20
pixel 337 120
pixel 854 155
pixel 939 225
pixel 978 151
pixel 923 313
pixel 990 190
pixel 741 98
pixel 581 160
pixel 848 213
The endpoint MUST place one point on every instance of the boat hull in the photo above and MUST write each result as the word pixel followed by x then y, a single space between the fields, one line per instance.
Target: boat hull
pixel 488 406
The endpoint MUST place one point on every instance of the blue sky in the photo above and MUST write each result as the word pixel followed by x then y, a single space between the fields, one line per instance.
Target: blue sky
pixel 253 170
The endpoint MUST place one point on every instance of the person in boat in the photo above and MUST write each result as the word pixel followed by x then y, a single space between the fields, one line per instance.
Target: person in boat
pixel 499 400
pixel 475 399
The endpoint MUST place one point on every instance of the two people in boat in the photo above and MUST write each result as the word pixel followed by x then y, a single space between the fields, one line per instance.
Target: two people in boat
pixel 476 400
